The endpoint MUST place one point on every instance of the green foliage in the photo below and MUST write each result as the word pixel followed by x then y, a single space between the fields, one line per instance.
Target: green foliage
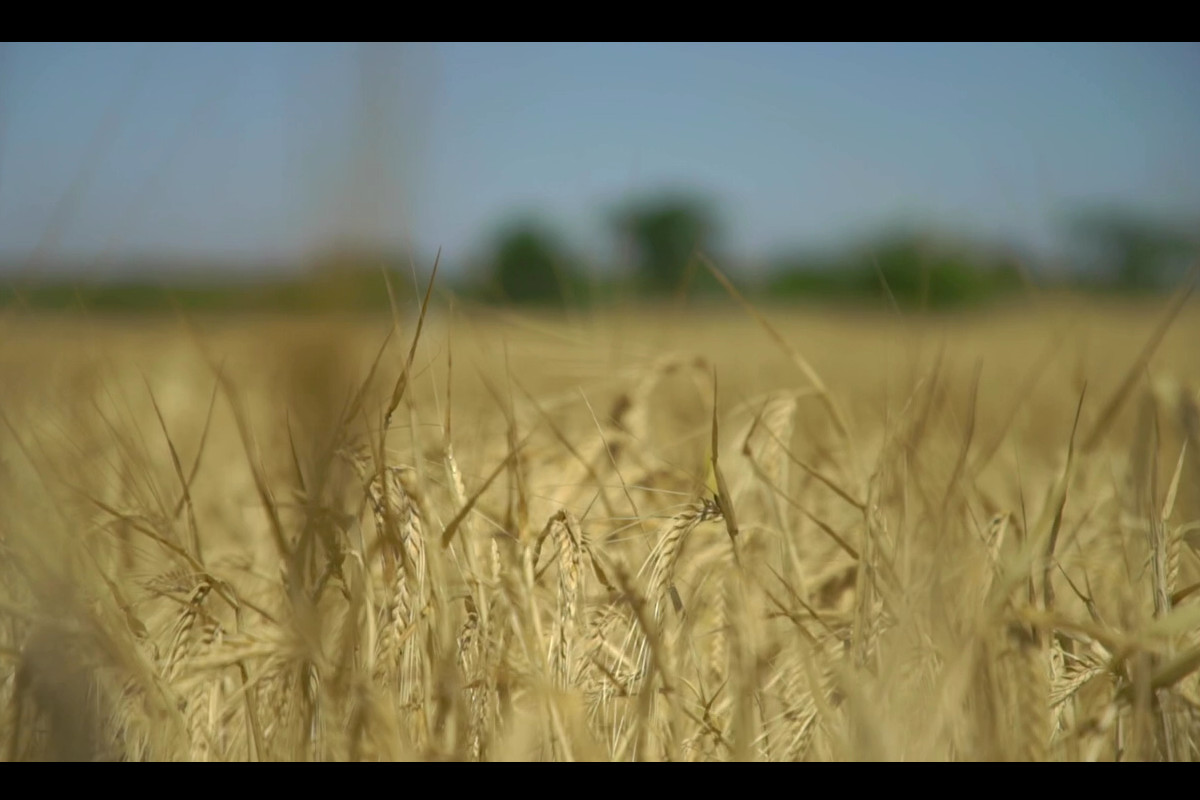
pixel 925 273
pixel 531 265
pixel 1138 253
pixel 664 232
pixel 914 271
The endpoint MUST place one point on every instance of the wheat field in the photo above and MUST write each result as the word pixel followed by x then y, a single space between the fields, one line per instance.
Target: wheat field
pixel 719 533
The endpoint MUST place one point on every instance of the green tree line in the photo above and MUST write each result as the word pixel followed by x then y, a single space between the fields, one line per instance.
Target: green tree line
pixel 1117 249
pixel 656 240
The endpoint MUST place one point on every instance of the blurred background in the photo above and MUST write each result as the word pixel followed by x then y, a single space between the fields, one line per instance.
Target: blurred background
pixel 289 177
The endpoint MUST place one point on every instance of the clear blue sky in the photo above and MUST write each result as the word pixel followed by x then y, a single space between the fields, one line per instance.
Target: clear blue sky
pixel 242 150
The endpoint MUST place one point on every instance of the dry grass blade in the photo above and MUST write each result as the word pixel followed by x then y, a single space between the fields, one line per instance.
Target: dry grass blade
pixel 960 463
pixel 611 457
pixel 1182 594
pixel 212 403
pixel 355 406
pixel 725 498
pixel 818 474
pixel 402 380
pixel 193 532
pixel 1060 501
pixel 824 527
pixel 1168 506
pixel 261 486
pixel 574 451
pixel 1167 675
pixel 453 525
pixel 299 473
pixel 799 360
pixel 136 524
pixel 985 454
pixel 1136 369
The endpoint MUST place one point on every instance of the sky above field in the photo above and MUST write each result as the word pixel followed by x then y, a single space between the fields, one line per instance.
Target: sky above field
pixel 246 151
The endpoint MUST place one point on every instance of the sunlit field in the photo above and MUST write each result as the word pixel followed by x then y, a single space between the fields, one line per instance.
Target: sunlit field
pixel 686 534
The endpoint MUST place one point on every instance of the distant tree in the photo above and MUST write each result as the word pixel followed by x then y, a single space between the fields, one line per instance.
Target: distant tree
pixel 913 268
pixel 930 270
pixel 664 232
pixel 530 264
pixel 1137 251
